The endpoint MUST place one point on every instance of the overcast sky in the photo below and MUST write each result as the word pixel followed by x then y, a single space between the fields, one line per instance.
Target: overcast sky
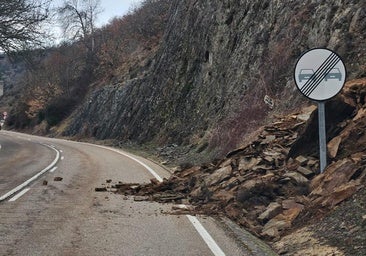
pixel 113 8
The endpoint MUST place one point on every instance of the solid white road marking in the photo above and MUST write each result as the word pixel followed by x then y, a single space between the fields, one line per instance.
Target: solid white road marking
pixel 53 169
pixel 19 195
pixel 133 158
pixel 26 183
pixel 216 250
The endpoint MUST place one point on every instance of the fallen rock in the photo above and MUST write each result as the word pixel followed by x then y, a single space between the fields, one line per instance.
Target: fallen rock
pixel 101 189
pixel 140 198
pixel 219 175
pixel 58 179
pixel 301 160
pixel 335 175
pixel 272 210
pixel 305 171
pixel 297 177
pixel 291 203
pixel 223 195
pixel 154 181
pixel 333 146
pixel 248 163
pixel 341 193
pixel 167 197
pixel 291 214
pixel 271 233
pixel 275 226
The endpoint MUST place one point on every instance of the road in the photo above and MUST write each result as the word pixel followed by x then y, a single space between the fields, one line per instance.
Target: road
pixel 41 215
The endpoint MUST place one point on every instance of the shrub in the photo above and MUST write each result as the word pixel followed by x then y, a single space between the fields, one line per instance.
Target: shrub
pixel 59 109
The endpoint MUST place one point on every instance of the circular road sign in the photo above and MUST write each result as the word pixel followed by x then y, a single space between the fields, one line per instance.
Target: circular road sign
pixel 320 74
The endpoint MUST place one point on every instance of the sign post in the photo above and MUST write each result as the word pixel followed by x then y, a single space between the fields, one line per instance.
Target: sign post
pixel 319 75
pixel 322 136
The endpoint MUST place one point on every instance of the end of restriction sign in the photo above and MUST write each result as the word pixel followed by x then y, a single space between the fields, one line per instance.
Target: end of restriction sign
pixel 320 74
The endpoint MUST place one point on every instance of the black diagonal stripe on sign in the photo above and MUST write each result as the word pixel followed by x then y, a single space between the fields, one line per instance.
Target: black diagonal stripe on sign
pixel 326 72
pixel 320 73
pixel 317 77
pixel 310 82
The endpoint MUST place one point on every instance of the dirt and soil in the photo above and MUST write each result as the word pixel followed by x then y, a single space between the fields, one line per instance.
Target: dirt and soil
pixel 272 186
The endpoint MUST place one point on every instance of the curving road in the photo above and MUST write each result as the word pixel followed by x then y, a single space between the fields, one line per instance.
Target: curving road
pixel 44 216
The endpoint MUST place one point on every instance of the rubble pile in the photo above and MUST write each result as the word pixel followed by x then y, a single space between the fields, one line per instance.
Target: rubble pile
pixel 267 186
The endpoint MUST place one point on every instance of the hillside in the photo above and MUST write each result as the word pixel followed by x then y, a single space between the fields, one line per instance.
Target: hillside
pixel 204 87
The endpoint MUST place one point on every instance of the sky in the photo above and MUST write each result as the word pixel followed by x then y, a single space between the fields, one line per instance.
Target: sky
pixel 110 10
pixel 113 8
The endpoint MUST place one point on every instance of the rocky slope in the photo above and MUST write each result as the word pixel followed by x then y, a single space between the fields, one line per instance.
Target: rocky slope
pixel 216 63
pixel 275 190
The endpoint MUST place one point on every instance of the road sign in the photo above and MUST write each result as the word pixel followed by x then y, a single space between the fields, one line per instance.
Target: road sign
pixel 320 74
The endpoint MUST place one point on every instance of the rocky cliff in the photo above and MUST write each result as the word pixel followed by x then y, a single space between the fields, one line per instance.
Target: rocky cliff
pixel 274 189
pixel 217 61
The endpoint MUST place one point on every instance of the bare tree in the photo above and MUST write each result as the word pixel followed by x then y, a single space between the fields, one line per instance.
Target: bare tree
pixel 78 19
pixel 20 23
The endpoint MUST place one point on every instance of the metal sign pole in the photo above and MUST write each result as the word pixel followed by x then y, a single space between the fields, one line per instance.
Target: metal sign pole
pixel 322 136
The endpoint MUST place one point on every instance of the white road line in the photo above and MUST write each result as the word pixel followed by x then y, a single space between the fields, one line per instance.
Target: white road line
pixel 53 169
pixel 62 158
pixel 19 194
pixel 26 183
pixel 214 247
pixel 133 158
pixel 216 250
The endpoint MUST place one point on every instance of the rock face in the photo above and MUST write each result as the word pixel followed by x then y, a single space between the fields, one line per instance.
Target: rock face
pixel 272 194
pixel 218 58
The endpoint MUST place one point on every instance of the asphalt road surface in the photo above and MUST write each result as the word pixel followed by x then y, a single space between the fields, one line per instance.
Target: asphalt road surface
pixel 41 215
